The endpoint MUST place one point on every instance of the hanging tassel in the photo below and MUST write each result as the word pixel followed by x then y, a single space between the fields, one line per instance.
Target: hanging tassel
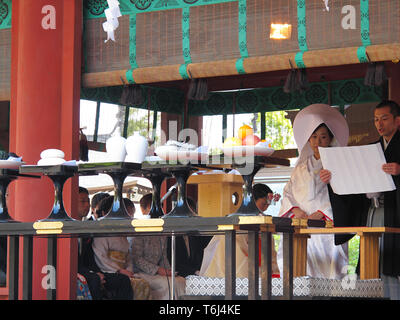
pixel 198 89
pixel 192 88
pixel 380 74
pixel 290 84
pixel 369 79
pixel 296 80
pixel 202 93
pixel 132 96
pixel 83 147
pixel 126 96
pixel 302 79
pixel 138 98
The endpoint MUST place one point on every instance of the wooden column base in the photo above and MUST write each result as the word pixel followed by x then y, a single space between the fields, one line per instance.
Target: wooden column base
pixel 300 254
pixel 369 255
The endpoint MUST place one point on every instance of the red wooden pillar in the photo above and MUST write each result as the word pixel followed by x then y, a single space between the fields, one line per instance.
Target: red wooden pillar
pixel 45 93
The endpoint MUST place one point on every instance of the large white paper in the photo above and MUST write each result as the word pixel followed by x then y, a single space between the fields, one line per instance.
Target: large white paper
pixel 356 169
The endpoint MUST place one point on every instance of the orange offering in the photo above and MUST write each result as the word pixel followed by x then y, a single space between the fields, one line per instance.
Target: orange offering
pixel 244 131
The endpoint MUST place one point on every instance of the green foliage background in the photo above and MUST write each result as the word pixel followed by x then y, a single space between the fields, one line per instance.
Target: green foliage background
pixel 278 130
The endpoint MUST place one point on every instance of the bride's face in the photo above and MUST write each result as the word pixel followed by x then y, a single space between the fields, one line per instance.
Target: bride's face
pixel 319 138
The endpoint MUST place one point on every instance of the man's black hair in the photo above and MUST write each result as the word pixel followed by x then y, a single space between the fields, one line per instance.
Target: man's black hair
pixel 394 107
pixel 261 190
pixel 97 198
pixel 145 201
pixel 83 190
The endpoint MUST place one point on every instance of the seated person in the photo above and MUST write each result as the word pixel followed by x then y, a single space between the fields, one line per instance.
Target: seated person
pixel 145 204
pixel 95 203
pixel 83 203
pixel 112 256
pixel 189 250
pixel 102 285
pixel 130 207
pixel 150 261
pixel 213 264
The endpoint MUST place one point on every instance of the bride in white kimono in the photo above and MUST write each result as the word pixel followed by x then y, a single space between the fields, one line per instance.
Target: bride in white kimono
pixel 306 196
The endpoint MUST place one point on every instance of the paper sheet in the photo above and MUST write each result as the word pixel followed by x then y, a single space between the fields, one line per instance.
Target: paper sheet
pixel 356 169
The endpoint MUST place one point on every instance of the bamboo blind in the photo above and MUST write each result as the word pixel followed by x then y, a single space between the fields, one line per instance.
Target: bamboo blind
pixel 5 64
pixel 214 40
pixel 151 46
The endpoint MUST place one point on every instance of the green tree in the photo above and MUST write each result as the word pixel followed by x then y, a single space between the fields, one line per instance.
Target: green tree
pixel 278 129
pixel 139 122
pixel 354 252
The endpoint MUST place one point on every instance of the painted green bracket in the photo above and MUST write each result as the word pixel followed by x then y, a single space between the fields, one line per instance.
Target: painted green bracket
pixel 242 33
pixel 364 31
pixel 185 43
pixel 301 33
pixel 132 48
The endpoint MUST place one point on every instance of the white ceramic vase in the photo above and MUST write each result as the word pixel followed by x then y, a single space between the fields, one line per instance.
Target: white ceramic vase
pixel 115 147
pixel 136 148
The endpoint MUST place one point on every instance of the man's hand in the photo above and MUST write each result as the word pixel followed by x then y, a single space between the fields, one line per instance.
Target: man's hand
pixel 126 272
pixel 317 215
pixel 102 279
pixel 392 168
pixel 325 176
pixel 163 271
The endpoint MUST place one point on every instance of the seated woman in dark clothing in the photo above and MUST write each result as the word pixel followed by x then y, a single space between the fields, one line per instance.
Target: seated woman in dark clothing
pixel 102 285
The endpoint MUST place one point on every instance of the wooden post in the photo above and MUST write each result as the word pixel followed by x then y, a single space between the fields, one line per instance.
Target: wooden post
pixel 13 267
pixel 300 254
pixel 27 268
pixel 287 265
pixel 253 265
pixel 266 263
pixel 369 255
pixel 230 264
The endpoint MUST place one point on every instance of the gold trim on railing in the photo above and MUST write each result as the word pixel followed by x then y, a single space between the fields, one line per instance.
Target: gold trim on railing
pixel 48 227
pixel 224 227
pixel 299 223
pixel 149 229
pixel 148 225
pixel 328 224
pixel 255 220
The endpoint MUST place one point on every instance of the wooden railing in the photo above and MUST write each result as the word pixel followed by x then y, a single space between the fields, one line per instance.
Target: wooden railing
pixel 295 233
pixel 255 226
